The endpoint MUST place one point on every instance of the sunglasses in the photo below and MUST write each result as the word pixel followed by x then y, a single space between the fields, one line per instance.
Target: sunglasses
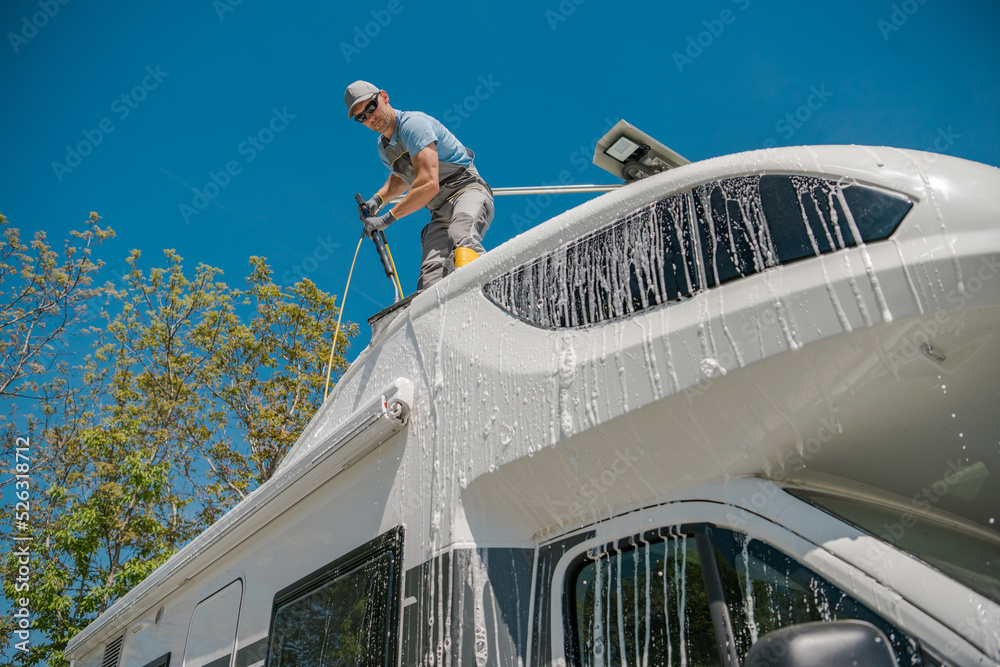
pixel 369 109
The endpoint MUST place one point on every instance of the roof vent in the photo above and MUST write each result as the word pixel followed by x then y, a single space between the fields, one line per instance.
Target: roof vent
pixel 631 154
pixel 112 652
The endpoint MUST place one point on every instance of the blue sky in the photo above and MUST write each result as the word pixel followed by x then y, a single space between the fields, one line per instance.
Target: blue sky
pixel 128 108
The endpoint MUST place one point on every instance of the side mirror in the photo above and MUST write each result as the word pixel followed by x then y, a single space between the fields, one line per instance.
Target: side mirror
pixel 823 644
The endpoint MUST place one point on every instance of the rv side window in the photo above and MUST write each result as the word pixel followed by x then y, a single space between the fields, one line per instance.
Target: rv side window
pixel 344 614
pixel 642 260
pixel 648 258
pixel 735 239
pixel 212 633
pixel 752 223
pixel 643 600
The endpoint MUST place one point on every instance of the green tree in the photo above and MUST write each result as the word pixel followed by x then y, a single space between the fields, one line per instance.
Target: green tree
pixel 192 394
pixel 47 300
pixel 44 299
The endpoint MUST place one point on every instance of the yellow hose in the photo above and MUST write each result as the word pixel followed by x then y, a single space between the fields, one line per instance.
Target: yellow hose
pixel 343 301
pixel 395 273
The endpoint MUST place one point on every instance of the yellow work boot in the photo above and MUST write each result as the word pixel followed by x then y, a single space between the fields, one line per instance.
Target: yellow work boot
pixel 463 256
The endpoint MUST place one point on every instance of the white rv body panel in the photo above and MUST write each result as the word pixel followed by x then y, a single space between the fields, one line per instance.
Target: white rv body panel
pixel 836 372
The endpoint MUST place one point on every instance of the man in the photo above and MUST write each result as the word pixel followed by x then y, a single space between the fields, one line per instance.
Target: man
pixel 435 171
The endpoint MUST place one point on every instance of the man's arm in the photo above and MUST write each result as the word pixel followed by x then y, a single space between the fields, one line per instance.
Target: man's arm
pixel 394 186
pixel 425 186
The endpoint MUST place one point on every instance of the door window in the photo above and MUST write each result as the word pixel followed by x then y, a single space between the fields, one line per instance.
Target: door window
pixel 766 590
pixel 643 601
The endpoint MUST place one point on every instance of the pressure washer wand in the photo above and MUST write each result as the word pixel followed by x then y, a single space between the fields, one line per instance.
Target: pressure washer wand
pixel 379 242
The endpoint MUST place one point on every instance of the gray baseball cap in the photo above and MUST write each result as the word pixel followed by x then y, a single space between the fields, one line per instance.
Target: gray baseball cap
pixel 357 91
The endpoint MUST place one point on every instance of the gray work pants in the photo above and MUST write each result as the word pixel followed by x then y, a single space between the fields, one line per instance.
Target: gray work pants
pixel 460 222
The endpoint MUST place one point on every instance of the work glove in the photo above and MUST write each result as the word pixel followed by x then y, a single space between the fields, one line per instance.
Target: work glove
pixel 370 207
pixel 379 222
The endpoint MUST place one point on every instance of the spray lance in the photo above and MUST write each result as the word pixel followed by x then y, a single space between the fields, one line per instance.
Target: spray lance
pixel 382 247
pixel 378 238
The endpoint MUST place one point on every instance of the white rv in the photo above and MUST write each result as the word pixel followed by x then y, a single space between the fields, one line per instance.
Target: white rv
pixel 742 412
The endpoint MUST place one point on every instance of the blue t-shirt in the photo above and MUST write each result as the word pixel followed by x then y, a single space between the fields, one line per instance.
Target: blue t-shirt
pixel 417 131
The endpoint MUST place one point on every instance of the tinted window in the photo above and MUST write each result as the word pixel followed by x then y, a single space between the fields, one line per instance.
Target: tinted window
pixel 643 600
pixel 345 614
pixel 972 559
pixel 162 661
pixel 805 216
pixel 734 238
pixel 766 590
pixel 752 223
pixel 639 261
pixel 648 258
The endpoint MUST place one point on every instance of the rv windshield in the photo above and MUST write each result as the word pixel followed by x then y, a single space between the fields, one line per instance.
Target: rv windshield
pixel 970 558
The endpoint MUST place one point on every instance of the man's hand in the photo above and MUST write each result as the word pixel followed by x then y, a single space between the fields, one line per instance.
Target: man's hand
pixel 379 222
pixel 370 207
